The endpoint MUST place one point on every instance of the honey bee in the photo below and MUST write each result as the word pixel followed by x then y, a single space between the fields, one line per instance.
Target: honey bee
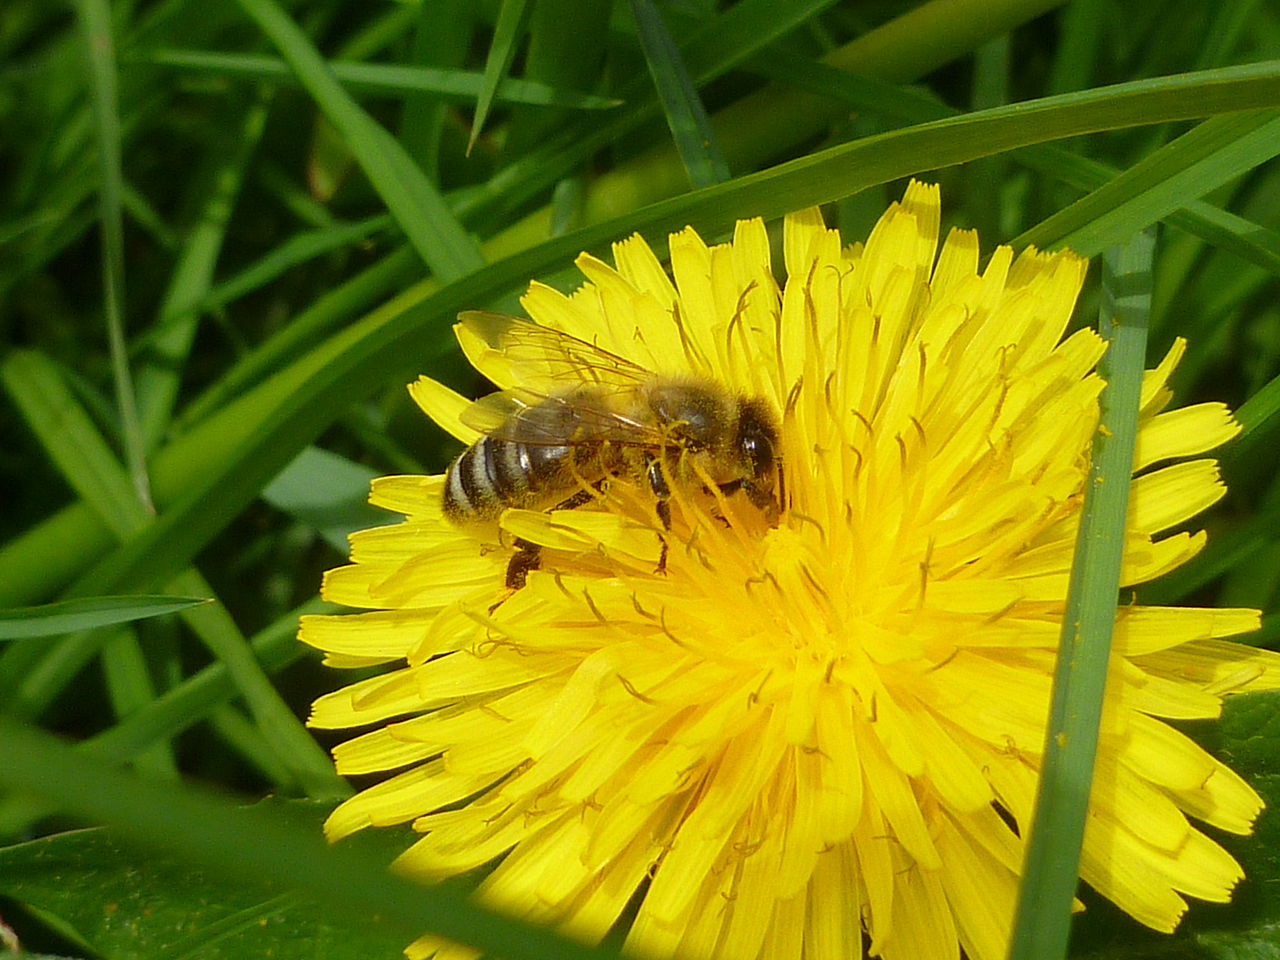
pixel 590 416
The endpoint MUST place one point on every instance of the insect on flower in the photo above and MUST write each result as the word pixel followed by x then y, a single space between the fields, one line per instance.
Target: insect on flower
pixel 593 417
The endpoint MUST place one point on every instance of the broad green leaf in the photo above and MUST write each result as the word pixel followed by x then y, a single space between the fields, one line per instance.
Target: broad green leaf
pixel 253 846
pixel 1250 737
pixel 1247 737
pixel 85 613
pixel 163 907
pixel 327 492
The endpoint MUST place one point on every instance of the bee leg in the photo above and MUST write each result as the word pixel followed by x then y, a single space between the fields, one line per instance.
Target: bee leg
pixel 528 554
pixel 527 557
pixel 579 499
pixel 661 490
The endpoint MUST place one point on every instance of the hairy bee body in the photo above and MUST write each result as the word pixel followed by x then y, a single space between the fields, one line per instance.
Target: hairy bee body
pixel 495 472
pixel 555 448
pixel 687 425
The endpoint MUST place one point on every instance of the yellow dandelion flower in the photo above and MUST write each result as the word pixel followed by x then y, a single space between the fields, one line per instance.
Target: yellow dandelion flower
pixel 773 733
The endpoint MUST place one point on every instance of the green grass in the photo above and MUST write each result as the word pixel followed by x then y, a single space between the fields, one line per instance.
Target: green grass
pixel 231 233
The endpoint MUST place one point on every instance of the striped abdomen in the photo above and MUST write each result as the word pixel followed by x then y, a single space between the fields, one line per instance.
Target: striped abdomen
pixel 493 474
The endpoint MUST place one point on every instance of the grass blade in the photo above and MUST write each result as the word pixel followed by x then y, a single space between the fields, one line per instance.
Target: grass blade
pixel 86 613
pixel 95 21
pixel 293 252
pixel 710 51
pixel 441 40
pixel 1259 412
pixel 1052 860
pixel 70 438
pixel 1250 241
pixel 169 341
pixel 127 677
pixel 686 117
pixel 383 79
pixel 1215 152
pixel 373 284
pixel 243 447
pixel 410 197
pixel 173 711
pixel 92 470
pixel 502 50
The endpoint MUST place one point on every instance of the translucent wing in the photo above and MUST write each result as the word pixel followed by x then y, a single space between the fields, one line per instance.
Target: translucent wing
pixel 585 415
pixel 548 361
pixel 571 391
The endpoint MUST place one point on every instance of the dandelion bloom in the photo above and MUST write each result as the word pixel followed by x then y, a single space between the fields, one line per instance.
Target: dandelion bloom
pixel 826 724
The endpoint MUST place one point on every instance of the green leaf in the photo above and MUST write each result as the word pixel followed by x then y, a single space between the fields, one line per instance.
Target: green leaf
pixel 253 846
pixel 686 117
pixel 213 471
pixel 95 19
pixel 1216 151
pixel 1247 738
pixel 1250 737
pixel 502 50
pixel 383 79
pixel 327 492
pixel 1050 870
pixel 70 438
pixel 410 197
pixel 169 341
pixel 163 907
pixel 86 613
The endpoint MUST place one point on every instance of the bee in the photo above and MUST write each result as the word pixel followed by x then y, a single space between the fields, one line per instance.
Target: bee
pixel 591 416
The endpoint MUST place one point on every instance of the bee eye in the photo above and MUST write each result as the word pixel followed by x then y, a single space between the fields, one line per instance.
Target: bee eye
pixel 759 452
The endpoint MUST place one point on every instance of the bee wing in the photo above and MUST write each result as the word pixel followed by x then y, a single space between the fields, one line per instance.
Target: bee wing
pixel 549 361
pixel 526 416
